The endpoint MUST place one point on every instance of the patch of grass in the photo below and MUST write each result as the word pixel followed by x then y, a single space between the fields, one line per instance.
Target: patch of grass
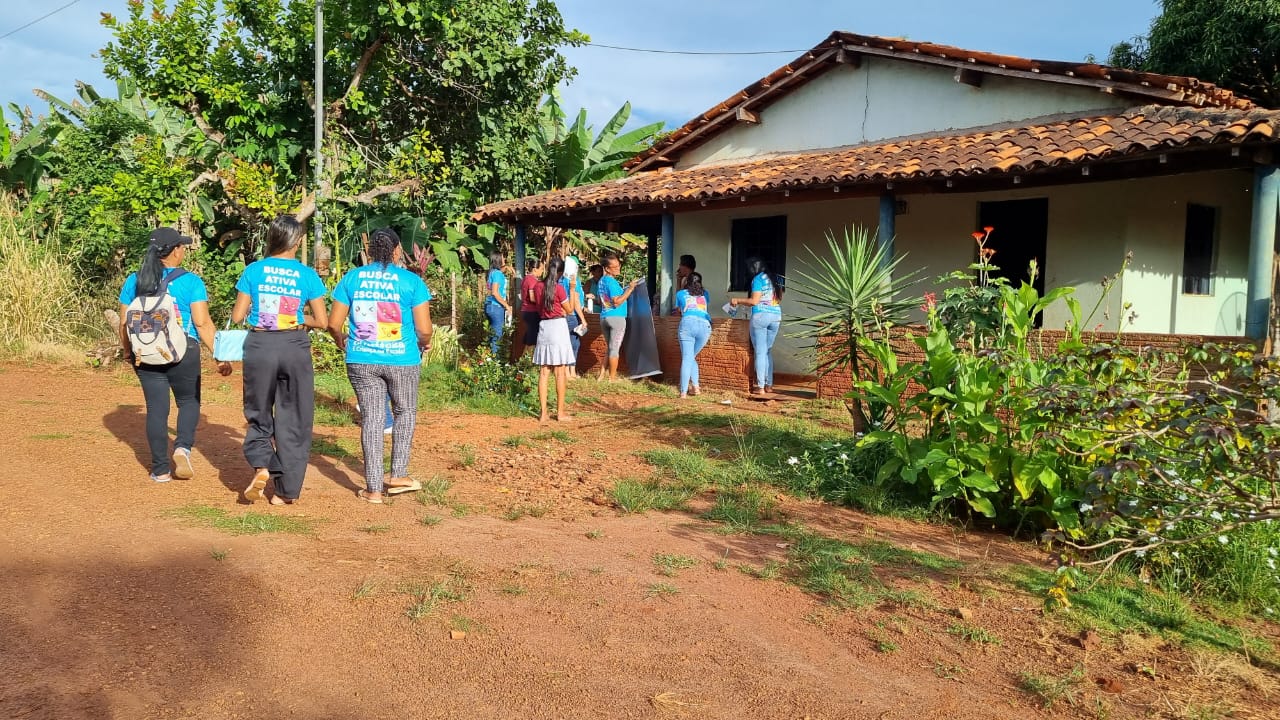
pixel 519 510
pixel 375 529
pixel 974 634
pixel 1119 603
pixel 427 597
pixel 458 509
pixel 250 523
pixel 661 590
pixel 51 436
pixel 219 555
pixel 948 671
pixel 1050 689
pixel 594 534
pixel 433 491
pixel 337 448
pixel 431 520
pixel 769 571
pixel 511 589
pixel 466 455
pixel 515 441
pixel 886 646
pixel 668 564
pixel 562 436
pixel 723 562
pixel 365 589
pixel 743 508
pixel 636 496
pixel 689 467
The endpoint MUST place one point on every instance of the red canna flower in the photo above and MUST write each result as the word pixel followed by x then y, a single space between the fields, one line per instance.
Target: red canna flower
pixel 979 237
pixel 988 229
pixel 930 302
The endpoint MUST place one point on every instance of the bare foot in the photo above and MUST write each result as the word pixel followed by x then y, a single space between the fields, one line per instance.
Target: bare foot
pixel 544 418
pixel 561 417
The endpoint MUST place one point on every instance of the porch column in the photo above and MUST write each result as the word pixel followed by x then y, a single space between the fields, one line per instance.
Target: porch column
pixel 886 231
pixel 1262 248
pixel 518 261
pixel 667 284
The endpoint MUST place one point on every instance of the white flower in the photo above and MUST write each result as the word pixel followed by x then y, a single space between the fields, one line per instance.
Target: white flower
pixel 1271 552
pixel 1085 507
pixel 793 460
pixel 1176 554
pixel 843 456
pixel 1215 515
pixel 1222 539
pixel 1140 553
pixel 1271 563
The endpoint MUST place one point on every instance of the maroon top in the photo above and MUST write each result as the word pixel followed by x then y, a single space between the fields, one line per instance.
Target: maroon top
pixel 557 309
pixel 527 304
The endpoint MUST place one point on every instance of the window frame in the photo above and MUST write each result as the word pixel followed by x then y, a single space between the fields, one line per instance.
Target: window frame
pixel 1205 261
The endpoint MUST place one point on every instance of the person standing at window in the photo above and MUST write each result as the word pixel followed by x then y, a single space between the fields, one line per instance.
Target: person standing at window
pixel 381 319
pixel 496 308
pixel 159 274
pixel 613 312
pixel 766 318
pixel 279 380
pixel 694 331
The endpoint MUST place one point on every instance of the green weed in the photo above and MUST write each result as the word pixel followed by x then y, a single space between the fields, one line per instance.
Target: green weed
pixel 365 589
pixel 431 520
pixel 375 529
pixel 519 510
pixel 1050 689
pixel 742 508
pixel 466 455
pixel 636 496
pixel 51 436
pixel 594 534
pixel 974 634
pixel 562 436
pixel 219 555
pixel 669 564
pixel 427 597
pixel 661 590
pixel 515 441
pixel 250 523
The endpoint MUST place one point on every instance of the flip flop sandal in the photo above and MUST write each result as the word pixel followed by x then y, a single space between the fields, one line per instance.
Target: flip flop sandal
pixel 397 489
pixel 365 496
pixel 253 493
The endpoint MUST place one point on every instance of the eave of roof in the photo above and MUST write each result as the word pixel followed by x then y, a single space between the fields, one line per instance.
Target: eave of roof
pixel 844 47
pixel 1041 145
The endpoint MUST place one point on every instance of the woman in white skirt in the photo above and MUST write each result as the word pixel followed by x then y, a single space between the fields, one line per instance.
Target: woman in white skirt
pixel 553 349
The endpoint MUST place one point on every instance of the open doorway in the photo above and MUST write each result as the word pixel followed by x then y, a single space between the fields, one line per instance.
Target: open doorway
pixel 1020 235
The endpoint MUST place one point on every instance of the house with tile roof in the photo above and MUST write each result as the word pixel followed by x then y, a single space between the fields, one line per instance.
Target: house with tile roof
pixel 1075 165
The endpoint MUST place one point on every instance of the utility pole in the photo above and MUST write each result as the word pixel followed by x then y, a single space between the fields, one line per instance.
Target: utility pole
pixel 320 260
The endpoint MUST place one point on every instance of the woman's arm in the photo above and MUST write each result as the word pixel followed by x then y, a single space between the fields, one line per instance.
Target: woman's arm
pixel 338 324
pixel 241 309
pixel 205 327
pixel 618 301
pixel 126 347
pixel 422 324
pixel 753 300
pixel 573 297
pixel 319 319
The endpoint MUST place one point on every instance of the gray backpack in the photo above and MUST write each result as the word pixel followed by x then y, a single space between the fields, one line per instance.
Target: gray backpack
pixel 154 326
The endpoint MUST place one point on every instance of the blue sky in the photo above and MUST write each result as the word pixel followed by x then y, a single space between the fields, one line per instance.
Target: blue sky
pixel 53 53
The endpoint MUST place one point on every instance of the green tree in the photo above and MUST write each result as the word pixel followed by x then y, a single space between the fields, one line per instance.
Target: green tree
pixel 1232 43
pixel 424 98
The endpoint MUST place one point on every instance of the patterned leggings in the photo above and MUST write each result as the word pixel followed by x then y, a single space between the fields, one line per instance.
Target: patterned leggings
pixel 372 384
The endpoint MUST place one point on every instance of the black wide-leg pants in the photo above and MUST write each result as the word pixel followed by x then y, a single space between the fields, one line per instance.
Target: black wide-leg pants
pixel 279 405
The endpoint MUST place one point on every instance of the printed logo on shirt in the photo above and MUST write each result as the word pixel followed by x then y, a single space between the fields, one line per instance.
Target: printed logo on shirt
pixel 376 313
pixel 695 303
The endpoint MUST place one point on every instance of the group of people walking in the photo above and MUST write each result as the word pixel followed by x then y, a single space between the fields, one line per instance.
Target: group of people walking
pixel 381 320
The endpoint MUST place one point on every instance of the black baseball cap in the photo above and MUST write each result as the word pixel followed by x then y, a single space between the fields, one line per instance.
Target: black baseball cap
pixel 167 237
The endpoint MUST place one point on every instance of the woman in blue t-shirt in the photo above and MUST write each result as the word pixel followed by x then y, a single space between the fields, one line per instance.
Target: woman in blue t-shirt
pixel 694 330
pixel 279 380
pixel 165 252
pixel 766 318
pixel 381 319
pixel 496 307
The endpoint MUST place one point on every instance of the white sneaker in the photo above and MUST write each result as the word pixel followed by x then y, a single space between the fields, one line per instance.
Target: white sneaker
pixel 161 478
pixel 182 464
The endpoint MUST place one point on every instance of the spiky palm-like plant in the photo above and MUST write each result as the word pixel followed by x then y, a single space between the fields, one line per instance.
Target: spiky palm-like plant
pixel 851 293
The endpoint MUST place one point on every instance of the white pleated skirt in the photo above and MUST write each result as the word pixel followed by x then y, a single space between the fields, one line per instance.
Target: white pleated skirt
pixel 553 346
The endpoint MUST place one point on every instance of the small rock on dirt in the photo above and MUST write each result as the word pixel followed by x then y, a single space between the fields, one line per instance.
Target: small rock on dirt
pixel 457 635
pixel 1089 640
pixel 1109 685
pixel 963 613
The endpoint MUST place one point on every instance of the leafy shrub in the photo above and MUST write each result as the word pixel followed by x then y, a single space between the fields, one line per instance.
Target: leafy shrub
pixel 847 472
pixel 482 374
pixel 326 357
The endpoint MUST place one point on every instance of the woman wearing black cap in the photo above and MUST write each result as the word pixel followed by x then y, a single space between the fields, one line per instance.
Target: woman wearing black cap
pixel 159 275
pixel 279 379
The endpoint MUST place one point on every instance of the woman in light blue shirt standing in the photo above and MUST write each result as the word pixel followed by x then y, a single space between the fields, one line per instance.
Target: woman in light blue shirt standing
pixel 381 318
pixel 694 330
pixel 279 379
pixel 496 307
pixel 766 319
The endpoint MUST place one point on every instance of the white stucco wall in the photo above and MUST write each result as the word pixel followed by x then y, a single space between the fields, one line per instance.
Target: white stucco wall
pixel 1091 227
pixel 885 98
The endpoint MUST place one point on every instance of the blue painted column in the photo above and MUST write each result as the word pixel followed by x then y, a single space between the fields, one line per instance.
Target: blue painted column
pixel 1262 248
pixel 517 262
pixel 887 231
pixel 666 286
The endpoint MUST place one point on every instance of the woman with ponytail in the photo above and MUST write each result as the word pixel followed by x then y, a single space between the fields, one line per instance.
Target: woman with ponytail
pixel 279 379
pixel 553 349
pixel 381 318
pixel 766 319
pixel 694 330
pixel 160 275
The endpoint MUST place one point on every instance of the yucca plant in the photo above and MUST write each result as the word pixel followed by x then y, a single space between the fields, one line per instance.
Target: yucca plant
pixel 851 294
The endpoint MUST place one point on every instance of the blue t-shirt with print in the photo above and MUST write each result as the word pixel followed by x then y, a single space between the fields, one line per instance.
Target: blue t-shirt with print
pixel 608 289
pixel 380 327
pixel 499 277
pixel 582 296
pixel 186 289
pixel 693 305
pixel 280 289
pixel 768 299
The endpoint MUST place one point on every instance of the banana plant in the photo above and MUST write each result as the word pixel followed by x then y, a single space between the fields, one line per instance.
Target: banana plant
pixel 575 158
pixel 25 154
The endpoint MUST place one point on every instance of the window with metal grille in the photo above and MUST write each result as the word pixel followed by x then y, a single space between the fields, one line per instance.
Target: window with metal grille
pixel 1199 249
pixel 762 237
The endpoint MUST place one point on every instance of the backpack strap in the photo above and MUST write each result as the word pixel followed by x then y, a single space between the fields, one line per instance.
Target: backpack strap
pixel 164 281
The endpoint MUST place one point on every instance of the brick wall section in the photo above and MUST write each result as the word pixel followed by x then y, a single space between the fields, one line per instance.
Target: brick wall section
pixel 723 364
pixel 837 383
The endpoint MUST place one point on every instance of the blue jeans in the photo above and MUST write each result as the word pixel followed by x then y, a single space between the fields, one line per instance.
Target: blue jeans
pixel 694 332
pixel 764 330
pixel 572 320
pixel 497 321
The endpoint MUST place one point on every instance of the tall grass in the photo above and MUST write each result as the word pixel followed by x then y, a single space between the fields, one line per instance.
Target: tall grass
pixel 43 302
